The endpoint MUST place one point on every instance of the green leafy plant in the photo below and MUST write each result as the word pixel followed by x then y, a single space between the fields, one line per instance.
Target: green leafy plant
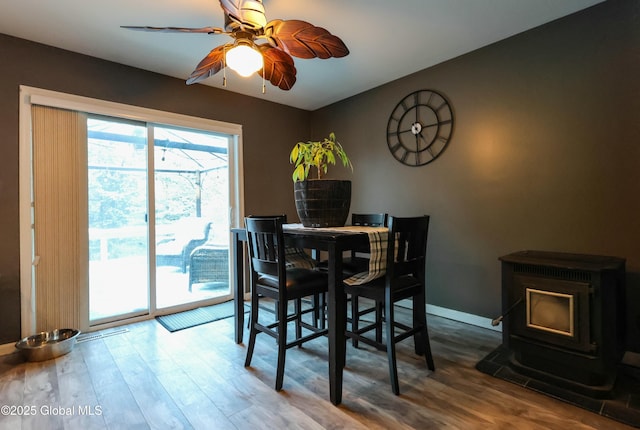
pixel 318 154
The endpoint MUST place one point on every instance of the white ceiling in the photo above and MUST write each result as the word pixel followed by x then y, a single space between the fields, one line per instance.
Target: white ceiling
pixel 387 39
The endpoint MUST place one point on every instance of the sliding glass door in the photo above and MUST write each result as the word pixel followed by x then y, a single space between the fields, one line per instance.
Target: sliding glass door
pixel 124 211
pixel 118 237
pixel 188 197
pixel 191 215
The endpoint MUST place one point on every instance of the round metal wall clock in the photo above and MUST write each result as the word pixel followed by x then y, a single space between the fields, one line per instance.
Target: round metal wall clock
pixel 420 128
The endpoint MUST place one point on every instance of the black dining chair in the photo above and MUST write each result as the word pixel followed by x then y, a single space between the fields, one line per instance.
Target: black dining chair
pixel 357 262
pixel 359 259
pixel 271 278
pixel 298 257
pixel 404 279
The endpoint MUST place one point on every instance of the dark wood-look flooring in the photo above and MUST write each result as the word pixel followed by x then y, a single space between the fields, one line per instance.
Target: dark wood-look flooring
pixel 146 377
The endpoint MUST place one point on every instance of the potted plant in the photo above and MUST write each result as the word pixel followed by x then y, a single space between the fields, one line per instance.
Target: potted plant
pixel 320 202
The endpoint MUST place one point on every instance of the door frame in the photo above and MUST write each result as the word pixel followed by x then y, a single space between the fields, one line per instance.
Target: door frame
pixel 32 95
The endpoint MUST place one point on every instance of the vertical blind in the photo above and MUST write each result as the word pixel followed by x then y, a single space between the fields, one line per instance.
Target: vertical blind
pixel 60 234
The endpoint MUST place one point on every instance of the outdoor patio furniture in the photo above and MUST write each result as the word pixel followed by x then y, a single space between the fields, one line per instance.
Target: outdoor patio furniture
pixel 188 233
pixel 207 264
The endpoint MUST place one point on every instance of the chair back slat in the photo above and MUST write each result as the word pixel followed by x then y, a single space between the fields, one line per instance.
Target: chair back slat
pixel 371 220
pixel 266 245
pixel 407 246
pixel 368 220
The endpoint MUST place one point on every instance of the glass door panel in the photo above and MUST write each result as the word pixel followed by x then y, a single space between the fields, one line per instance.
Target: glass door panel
pixel 118 233
pixel 191 216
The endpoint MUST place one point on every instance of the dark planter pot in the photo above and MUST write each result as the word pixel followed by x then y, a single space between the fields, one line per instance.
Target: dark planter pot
pixel 323 202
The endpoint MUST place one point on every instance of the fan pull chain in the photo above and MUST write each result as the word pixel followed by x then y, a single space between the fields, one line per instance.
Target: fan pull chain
pixel 264 87
pixel 224 69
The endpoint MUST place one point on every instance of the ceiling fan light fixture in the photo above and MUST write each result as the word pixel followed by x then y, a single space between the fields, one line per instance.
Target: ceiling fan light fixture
pixel 246 22
pixel 243 58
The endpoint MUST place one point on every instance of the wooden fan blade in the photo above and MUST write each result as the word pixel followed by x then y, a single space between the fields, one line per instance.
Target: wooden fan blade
pixel 209 66
pixel 244 14
pixel 209 30
pixel 304 40
pixel 278 67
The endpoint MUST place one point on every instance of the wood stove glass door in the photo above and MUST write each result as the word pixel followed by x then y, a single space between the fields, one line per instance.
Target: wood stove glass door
pixel 550 311
pixel 555 311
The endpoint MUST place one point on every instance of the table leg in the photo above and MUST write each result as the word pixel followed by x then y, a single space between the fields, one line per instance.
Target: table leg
pixel 238 285
pixel 337 318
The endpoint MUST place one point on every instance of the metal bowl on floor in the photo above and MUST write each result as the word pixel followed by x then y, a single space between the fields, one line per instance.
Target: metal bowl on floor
pixel 48 344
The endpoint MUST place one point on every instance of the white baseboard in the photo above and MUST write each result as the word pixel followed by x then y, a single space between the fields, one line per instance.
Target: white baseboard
pixel 462 317
pixel 456 316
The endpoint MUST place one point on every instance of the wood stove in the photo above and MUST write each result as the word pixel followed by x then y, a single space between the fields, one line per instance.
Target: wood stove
pixel 565 318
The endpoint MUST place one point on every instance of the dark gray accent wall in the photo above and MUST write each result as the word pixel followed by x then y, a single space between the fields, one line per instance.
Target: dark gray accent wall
pixel 545 154
pixel 269 131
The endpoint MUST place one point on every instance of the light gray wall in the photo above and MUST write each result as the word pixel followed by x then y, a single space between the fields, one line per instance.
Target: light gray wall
pixel 545 154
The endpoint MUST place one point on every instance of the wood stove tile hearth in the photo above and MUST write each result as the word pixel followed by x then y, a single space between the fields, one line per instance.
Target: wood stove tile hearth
pixel 623 404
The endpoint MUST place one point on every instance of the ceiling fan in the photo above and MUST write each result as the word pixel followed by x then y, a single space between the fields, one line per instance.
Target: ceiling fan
pixel 246 23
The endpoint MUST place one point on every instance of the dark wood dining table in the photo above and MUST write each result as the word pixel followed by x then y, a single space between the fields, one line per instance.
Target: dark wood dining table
pixel 334 243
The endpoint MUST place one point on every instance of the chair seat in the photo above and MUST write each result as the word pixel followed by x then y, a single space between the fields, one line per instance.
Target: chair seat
pixel 299 282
